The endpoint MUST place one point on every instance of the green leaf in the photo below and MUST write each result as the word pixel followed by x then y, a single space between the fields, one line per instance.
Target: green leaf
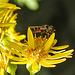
pixel 20 2
pixel 11 68
pixel 6 73
pixel 31 4
pixel 5 38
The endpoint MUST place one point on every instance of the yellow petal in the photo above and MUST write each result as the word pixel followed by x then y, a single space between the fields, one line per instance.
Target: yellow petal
pixel 61 55
pixel 2 71
pixel 8 5
pixel 9 15
pixel 2 13
pixel 30 38
pixel 20 37
pixel 16 46
pixel 6 15
pixel 7 24
pixel 46 64
pixel 49 42
pixel 51 51
pixel 69 56
pixel 54 42
pixel 13 18
pixel 60 47
pixel 14 51
pixel 35 67
pixel 25 62
pixel 54 61
pixel 2 5
pixel 14 57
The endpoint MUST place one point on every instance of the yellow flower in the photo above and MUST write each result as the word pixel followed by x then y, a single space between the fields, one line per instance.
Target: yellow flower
pixel 7 21
pixel 7 18
pixel 7 32
pixel 13 34
pixel 3 63
pixel 8 5
pixel 38 52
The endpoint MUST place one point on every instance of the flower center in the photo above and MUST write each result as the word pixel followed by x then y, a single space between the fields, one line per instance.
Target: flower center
pixel 36 55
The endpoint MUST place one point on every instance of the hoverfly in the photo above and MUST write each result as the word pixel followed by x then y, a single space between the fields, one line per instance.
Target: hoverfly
pixel 43 30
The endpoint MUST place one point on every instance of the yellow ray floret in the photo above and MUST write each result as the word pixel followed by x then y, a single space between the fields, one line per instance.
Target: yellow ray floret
pixel 46 64
pixel 14 51
pixel 30 38
pixel 3 63
pixel 7 18
pixel 13 57
pixel 54 52
pixel 15 46
pixel 14 35
pixel 60 55
pixel 13 18
pixel 49 42
pixel 24 62
pixel 8 5
pixel 2 71
pixel 6 24
pixel 60 47
pixel 54 42
pixel 54 61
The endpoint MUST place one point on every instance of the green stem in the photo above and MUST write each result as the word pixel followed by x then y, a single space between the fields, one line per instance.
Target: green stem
pixel 32 73
pixel 6 73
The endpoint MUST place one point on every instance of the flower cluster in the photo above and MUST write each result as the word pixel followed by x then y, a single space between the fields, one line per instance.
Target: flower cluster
pixel 3 63
pixel 7 31
pixel 37 52
pixel 34 52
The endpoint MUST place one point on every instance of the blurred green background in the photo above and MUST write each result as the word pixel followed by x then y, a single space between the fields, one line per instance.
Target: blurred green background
pixel 60 14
